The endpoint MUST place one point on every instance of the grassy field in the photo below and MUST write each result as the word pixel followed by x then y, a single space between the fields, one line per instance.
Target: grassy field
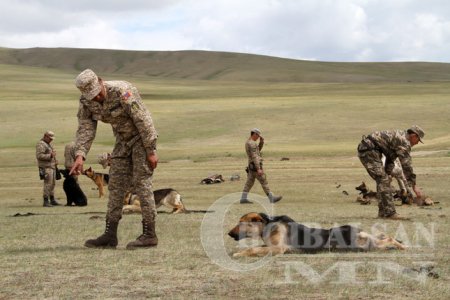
pixel 202 127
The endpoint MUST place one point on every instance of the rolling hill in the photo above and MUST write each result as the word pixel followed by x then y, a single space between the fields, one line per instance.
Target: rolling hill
pixel 208 65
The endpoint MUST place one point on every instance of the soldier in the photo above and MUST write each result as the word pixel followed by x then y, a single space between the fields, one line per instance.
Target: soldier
pixel 255 167
pixel 134 156
pixel 46 157
pixel 393 144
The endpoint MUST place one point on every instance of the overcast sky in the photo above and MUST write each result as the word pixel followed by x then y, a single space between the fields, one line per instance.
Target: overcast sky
pixel 326 30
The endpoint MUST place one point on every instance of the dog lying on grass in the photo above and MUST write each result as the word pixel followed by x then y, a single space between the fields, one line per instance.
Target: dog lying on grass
pixel 167 197
pixel 367 196
pixel 281 234
pixel 100 179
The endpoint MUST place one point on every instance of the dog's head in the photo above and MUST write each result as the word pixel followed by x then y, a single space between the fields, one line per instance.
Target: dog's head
pixel 362 188
pixel 89 172
pixel 250 225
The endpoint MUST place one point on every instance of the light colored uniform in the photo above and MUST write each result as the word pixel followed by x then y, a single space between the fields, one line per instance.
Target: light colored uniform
pixel 69 155
pixel 136 137
pixel 48 163
pixel 255 162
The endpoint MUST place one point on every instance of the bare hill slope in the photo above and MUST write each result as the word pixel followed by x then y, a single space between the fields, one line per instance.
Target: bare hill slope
pixel 208 65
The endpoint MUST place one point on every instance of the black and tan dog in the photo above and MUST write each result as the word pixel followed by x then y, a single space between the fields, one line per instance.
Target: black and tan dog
pixel 281 234
pixel 167 197
pixel 366 195
pixel 100 179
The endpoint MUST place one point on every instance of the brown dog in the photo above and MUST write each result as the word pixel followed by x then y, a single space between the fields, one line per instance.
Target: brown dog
pixel 167 197
pixel 366 195
pixel 282 234
pixel 100 179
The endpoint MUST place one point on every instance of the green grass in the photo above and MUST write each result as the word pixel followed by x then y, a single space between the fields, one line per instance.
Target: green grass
pixel 202 127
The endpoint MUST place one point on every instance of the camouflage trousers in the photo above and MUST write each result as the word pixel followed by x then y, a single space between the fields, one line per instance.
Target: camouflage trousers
pixel 49 182
pixel 371 160
pixel 131 172
pixel 251 176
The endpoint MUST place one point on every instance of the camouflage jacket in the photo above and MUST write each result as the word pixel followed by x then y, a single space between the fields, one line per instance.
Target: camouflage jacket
pixel 254 152
pixel 395 144
pixel 43 155
pixel 123 109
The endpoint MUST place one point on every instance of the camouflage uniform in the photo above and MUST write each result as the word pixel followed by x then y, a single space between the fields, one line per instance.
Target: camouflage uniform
pixel 135 138
pixel 69 155
pixel 255 162
pixel 393 144
pixel 48 164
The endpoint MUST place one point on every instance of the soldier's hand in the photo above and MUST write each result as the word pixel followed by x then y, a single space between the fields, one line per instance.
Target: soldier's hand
pixel 152 159
pixel 261 139
pixel 53 154
pixel 260 172
pixel 417 191
pixel 77 168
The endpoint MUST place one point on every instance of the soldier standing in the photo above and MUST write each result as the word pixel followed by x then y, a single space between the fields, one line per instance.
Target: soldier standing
pixel 393 144
pixel 255 167
pixel 134 156
pixel 46 157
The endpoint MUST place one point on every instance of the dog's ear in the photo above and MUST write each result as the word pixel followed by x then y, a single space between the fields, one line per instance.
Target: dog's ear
pixel 265 217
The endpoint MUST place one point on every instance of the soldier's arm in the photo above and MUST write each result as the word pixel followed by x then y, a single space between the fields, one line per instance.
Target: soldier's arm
pixel 40 153
pixel 261 143
pixel 255 156
pixel 406 162
pixel 87 128
pixel 132 103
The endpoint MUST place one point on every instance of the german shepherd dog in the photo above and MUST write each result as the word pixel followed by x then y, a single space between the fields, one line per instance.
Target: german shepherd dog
pixel 167 197
pixel 74 194
pixel 281 234
pixel 366 195
pixel 100 179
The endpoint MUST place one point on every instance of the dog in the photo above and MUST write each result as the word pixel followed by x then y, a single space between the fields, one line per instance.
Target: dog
pixel 74 194
pixel 100 179
pixel 366 195
pixel 167 197
pixel 282 234
pixel 397 173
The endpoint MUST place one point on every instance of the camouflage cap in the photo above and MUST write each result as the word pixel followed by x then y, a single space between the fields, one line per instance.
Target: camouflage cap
pixel 417 130
pixel 87 82
pixel 50 134
pixel 256 130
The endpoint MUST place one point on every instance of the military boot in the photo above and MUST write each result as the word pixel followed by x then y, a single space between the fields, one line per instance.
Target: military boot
pixel 106 240
pixel 273 198
pixel 147 238
pixel 244 199
pixel 53 201
pixel 46 202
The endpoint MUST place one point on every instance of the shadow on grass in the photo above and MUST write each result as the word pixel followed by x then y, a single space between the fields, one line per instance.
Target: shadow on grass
pixel 33 250
pixel 29 214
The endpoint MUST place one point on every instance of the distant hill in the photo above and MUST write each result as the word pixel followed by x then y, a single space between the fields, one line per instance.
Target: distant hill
pixel 209 65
